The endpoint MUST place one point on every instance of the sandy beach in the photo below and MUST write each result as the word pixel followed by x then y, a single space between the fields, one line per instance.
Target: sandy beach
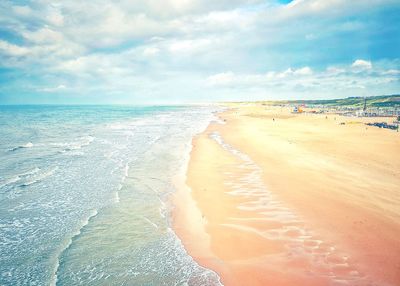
pixel 275 198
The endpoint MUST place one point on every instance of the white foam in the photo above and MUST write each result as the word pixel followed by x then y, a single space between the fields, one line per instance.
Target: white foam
pixel 10 181
pixel 27 145
pixel 117 199
pixel 68 243
pixel 126 170
pixel 30 172
pixel 39 177
pixel 74 145
pixel 150 222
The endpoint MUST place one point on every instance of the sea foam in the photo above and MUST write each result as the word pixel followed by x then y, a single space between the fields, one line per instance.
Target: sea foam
pixel 27 145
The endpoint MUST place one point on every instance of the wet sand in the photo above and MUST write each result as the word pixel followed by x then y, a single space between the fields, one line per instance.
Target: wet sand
pixel 278 198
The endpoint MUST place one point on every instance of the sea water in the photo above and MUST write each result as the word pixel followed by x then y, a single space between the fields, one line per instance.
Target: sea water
pixel 84 195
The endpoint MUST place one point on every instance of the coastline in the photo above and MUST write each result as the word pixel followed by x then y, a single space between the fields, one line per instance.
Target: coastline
pixel 91 206
pixel 338 192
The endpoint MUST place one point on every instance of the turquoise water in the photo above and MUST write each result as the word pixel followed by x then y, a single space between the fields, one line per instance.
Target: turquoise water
pixel 84 195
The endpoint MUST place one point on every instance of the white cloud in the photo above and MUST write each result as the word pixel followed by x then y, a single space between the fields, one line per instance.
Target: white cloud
pixel 138 43
pixel 95 65
pixel 189 46
pixel 215 21
pixel 224 78
pixel 286 73
pixel 333 6
pixel 22 10
pixel 392 72
pixel 54 17
pixel 293 72
pixel 57 88
pixel 13 50
pixel 304 80
pixel 335 70
pixel 151 51
pixel 361 65
pixel 294 3
pixel 43 35
pixel 303 71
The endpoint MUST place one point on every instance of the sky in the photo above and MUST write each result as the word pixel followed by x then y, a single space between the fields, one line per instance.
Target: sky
pixel 192 51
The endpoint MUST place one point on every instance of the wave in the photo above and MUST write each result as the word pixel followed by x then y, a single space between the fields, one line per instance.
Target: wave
pixel 68 244
pixel 78 145
pixel 30 172
pixel 118 126
pixel 27 145
pixel 10 181
pixel 29 181
pixel 75 145
pixel 18 177
pixel 117 199
pixel 69 146
pixel 120 185
pixel 150 222
pixel 126 170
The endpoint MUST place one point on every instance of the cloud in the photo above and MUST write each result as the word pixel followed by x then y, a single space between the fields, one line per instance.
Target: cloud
pixel 361 65
pixel 104 48
pixel 290 72
pixel 43 36
pixel 225 78
pixel 331 80
pixel 151 51
pixel 22 10
pixel 303 71
pixel 189 46
pixel 335 70
pixel 392 72
pixel 333 7
pixel 57 88
pixel 13 50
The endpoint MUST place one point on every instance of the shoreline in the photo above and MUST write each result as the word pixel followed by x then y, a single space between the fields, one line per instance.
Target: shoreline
pixel 344 214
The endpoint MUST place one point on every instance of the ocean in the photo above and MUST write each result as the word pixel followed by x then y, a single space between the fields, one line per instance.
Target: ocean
pixel 84 195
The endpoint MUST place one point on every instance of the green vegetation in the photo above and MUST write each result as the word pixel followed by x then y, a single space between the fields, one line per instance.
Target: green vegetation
pixel 356 102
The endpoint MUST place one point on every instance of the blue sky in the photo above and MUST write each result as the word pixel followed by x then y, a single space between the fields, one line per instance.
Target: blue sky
pixel 183 51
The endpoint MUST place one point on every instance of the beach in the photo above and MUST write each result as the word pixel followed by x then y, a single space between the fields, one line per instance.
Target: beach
pixel 276 198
